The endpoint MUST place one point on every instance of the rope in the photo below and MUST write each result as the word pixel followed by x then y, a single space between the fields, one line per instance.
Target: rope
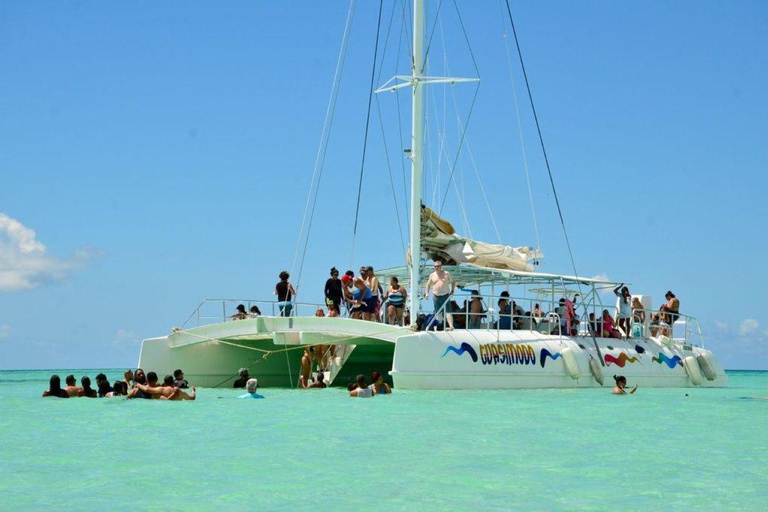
pixel 403 28
pixel 383 133
pixel 541 141
pixel 520 131
pixel 431 34
pixel 458 150
pixel 365 136
pixel 322 149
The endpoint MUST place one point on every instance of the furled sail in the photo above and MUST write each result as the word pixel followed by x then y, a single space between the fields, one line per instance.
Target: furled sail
pixel 439 240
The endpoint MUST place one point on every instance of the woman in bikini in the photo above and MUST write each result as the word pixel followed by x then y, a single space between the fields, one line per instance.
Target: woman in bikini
pixel 396 295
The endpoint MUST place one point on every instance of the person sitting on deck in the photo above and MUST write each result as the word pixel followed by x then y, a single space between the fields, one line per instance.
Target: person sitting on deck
pixel 560 311
pixel 54 388
pixel 537 312
pixel 670 310
pixel 476 310
pixel 255 311
pixel 657 326
pixel 241 382
pixel 459 314
pixel 241 314
pixel 595 327
pixel 609 326
pixel 317 384
pixel 251 387
pixel 361 389
pixel 638 313
pixel 379 386
pixel 505 311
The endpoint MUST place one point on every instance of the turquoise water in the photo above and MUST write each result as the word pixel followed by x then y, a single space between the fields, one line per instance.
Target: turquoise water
pixel 437 450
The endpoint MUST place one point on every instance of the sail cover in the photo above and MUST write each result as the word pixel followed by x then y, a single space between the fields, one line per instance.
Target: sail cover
pixel 440 241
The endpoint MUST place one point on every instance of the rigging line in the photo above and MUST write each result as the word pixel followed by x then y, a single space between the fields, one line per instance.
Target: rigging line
pixel 541 140
pixel 431 34
pixel 407 9
pixel 322 149
pixel 365 136
pixel 400 125
pixel 469 149
pixel 458 150
pixel 482 190
pixel 520 131
pixel 391 178
pixel 466 39
pixel 462 207
pixel 386 44
pixel 381 124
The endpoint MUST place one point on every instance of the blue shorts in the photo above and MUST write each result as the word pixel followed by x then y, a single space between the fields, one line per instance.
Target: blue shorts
pixel 439 300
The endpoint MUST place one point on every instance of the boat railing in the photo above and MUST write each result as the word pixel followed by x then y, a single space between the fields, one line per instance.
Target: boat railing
pixel 221 310
pixel 684 329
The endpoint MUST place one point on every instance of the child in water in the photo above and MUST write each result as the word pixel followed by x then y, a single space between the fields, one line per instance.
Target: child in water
pixel 621 383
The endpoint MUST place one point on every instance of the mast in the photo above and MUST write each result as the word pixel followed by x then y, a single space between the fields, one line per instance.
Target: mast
pixel 417 70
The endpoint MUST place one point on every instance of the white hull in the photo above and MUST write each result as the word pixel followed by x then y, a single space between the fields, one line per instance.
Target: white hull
pixel 463 359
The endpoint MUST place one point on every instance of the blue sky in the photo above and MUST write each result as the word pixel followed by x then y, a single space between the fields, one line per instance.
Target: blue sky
pixel 153 155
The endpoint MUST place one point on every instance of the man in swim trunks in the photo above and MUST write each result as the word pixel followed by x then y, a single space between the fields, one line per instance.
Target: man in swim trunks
pixel 442 284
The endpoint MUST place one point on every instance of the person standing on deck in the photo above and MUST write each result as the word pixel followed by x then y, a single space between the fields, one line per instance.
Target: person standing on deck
pixel 442 284
pixel 285 292
pixel 375 286
pixel 333 293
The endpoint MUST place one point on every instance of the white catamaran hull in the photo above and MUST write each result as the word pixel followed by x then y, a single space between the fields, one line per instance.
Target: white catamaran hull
pixel 463 359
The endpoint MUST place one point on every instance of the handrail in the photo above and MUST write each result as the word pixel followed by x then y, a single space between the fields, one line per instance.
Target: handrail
pixel 265 306
pixel 548 323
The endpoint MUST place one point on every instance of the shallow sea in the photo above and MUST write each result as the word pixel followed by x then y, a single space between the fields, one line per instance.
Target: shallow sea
pixel 664 449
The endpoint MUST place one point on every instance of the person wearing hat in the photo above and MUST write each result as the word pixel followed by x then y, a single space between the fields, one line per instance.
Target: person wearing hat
pixel 251 386
pixel 243 380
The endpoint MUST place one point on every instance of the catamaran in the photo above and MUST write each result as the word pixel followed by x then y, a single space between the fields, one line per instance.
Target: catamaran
pixel 517 345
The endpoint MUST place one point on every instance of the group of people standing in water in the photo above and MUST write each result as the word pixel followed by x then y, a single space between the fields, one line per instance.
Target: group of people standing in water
pixel 134 385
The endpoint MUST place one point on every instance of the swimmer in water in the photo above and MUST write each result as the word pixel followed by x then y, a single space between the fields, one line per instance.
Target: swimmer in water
pixel 621 383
